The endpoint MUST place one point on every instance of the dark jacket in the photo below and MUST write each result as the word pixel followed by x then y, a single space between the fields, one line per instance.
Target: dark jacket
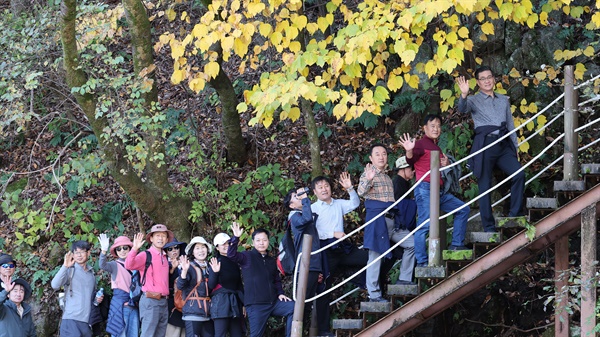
pixel 304 222
pixel 451 177
pixel 262 283
pixel 376 234
pixel 175 317
pixel 476 163
pixel 226 298
pixel 11 324
pixel 197 307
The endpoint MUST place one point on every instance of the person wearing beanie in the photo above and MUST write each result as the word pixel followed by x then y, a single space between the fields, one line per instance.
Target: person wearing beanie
pixel 226 300
pixel 15 315
pixel 123 316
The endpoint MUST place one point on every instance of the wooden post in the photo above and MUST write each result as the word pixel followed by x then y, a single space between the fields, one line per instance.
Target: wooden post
pixel 588 270
pixel 570 145
pixel 296 330
pixel 561 277
pixel 435 252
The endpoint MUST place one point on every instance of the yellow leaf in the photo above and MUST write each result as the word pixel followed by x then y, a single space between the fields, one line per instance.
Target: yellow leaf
pixel 530 126
pixel 294 114
pixel 300 21
pixel 588 51
pixel 532 20
pixel 197 84
pixel 430 68
pixel 240 47
pixel 312 27
pixel 177 76
pixel 323 24
pixel 265 29
pixel 480 16
pixel 295 46
pixel 487 28
pixel 276 38
pixel 579 71
pixel 177 49
pixel 242 107
pixel 227 44
pixel 544 18
pixel 171 14
pixel 412 81
pixel 340 110
pixel 394 82
pixel 540 75
pixel 463 32
pixel 254 8
pixel 533 108
pixel 524 147
pixel 514 73
pixel 235 5
pixel 212 69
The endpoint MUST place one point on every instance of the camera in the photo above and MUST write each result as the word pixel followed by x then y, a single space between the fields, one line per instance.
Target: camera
pixel 306 190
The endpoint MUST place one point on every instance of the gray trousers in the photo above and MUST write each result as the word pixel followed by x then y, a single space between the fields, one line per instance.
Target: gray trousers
pixel 408 260
pixel 154 315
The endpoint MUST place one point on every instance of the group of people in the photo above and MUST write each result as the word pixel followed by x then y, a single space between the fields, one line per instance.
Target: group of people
pixel 221 291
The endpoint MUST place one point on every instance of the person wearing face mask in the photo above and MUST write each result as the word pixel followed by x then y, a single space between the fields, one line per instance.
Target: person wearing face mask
pixel 15 315
pixel 123 319
pixel 175 326
pixel 263 293
pixel 226 303
pixel 153 305
pixel 196 281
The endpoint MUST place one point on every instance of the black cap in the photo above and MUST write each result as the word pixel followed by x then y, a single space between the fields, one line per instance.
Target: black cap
pixel 26 286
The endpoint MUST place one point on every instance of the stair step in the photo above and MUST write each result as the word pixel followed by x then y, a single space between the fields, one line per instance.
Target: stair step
pixel 483 237
pixel 375 306
pixel 542 203
pixel 569 186
pixel 457 255
pixel 430 272
pixel 347 324
pixel 403 289
pixel 590 169
pixel 513 222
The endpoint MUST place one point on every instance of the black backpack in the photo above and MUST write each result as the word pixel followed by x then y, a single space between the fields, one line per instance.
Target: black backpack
pixel 286 259
pixel 135 289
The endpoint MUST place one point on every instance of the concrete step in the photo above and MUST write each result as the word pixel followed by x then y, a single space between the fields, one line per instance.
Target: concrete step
pixel 347 324
pixel 589 169
pixel 375 307
pixel 475 225
pixel 542 203
pixel 402 290
pixel 430 272
pixel 457 255
pixel 512 222
pixel 569 186
pixel 483 237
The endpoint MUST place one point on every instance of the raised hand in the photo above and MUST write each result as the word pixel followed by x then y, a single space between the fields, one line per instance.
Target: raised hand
pixel 345 180
pixel 463 85
pixel 8 283
pixel 185 264
pixel 371 171
pixel 443 160
pixel 407 143
pixel 104 242
pixel 237 230
pixel 138 241
pixel 69 260
pixel 215 264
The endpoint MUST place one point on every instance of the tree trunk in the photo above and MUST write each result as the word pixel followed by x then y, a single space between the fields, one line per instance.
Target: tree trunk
pixel 313 138
pixel 230 118
pixel 154 196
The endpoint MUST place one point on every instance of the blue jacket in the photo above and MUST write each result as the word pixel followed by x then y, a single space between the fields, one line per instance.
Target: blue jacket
pixel 476 163
pixel 11 324
pixel 115 323
pixel 304 222
pixel 376 234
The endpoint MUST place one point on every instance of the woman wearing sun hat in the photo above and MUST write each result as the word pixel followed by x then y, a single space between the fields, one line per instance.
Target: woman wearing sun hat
pixel 197 273
pixel 226 299
pixel 122 318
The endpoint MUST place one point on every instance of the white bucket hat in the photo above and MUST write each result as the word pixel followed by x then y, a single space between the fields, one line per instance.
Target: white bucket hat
pixel 401 163
pixel 195 240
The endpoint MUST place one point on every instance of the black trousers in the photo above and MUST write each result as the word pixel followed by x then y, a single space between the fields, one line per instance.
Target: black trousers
pixel 502 156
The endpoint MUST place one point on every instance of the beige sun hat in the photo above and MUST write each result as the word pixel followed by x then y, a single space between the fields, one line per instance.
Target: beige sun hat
pixel 195 240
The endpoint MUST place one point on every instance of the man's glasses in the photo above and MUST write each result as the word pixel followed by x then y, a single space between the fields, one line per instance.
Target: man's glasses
pixel 170 249
pixel 483 79
pixel 80 252
pixel 118 249
pixel 8 265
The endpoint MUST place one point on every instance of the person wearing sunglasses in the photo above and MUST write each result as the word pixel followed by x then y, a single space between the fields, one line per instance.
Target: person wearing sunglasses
pixel 175 325
pixel 7 267
pixel 123 319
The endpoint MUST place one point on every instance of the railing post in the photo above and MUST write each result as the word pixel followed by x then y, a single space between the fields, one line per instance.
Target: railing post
pixel 561 282
pixel 296 330
pixel 571 101
pixel 435 252
pixel 588 270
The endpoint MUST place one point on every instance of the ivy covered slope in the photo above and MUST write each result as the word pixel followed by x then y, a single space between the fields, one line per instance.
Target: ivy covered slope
pixel 195 113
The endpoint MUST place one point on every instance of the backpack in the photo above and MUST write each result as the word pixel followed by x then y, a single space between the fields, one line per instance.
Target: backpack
pixel 286 259
pixel 135 288
pixel 178 300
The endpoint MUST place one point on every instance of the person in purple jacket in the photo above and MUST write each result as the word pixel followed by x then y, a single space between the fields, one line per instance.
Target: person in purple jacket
pixel 263 293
